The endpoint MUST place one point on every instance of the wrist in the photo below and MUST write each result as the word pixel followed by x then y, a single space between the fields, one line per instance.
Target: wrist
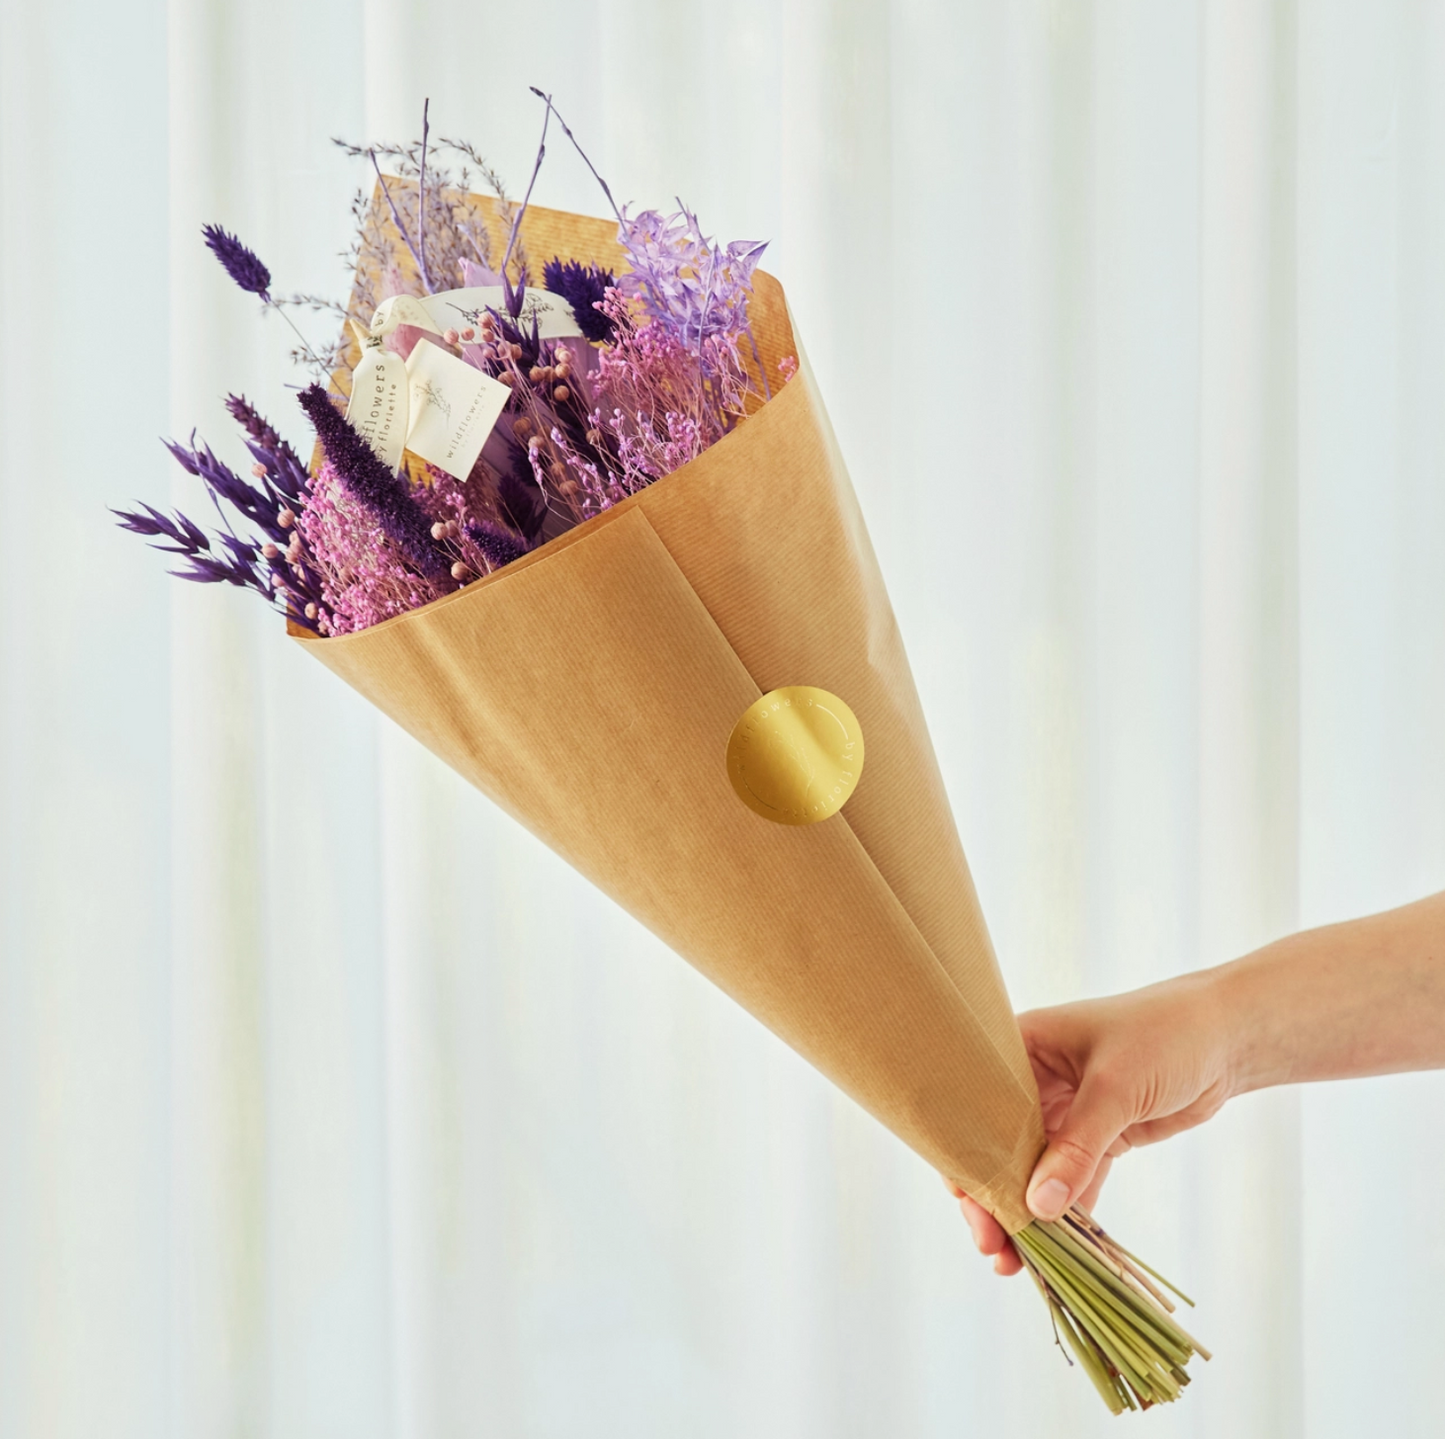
pixel 1254 1054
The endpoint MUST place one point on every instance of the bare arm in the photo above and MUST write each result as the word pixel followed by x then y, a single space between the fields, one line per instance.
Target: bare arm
pixel 1360 998
pixel 1365 997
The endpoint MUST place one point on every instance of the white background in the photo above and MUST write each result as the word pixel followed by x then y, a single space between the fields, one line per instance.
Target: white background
pixel 332 1105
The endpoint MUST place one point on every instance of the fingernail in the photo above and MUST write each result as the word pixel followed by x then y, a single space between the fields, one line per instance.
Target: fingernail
pixel 1049 1199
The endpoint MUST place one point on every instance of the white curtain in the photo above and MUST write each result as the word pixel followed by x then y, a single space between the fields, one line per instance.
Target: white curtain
pixel 332 1105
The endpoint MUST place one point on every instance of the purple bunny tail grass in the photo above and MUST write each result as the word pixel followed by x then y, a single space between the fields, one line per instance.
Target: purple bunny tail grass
pixel 402 520
pixel 239 261
pixel 498 546
pixel 583 287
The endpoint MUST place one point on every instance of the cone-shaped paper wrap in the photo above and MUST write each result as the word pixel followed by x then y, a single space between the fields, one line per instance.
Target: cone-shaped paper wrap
pixel 590 690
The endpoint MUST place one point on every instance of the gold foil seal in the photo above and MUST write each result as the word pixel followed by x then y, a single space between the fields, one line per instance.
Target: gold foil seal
pixel 795 755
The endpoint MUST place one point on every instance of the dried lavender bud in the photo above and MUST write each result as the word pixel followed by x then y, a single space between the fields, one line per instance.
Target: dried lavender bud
pixel 241 263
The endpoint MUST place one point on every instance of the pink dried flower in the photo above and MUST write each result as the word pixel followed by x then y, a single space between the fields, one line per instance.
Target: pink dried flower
pixel 364 578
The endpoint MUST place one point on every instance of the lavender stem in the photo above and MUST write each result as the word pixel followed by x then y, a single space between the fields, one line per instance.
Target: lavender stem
pixel 552 110
pixel 311 354
pixel 396 217
pixel 526 199
pixel 421 200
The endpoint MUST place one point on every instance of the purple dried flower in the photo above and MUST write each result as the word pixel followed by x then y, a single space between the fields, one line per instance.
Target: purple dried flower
pixel 186 537
pixel 282 464
pixel 368 480
pixel 519 498
pixel 208 570
pixel 191 542
pixel 256 505
pixel 364 577
pixel 499 546
pixel 241 263
pixel 583 287
pixel 687 282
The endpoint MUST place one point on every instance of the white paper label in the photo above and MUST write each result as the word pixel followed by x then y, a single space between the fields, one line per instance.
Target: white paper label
pixel 402 310
pixel 378 408
pixel 453 408
pixel 460 309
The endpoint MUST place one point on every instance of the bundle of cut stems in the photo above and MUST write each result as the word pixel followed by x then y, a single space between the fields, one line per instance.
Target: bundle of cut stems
pixel 1119 1324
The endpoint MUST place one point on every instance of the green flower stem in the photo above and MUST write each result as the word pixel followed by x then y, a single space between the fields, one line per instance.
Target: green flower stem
pixel 1117 1325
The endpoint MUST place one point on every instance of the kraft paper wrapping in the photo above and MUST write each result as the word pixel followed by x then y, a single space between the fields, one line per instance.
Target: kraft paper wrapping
pixel 589 689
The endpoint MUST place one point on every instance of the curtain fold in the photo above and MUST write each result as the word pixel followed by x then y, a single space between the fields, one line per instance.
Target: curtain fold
pixel 331 1103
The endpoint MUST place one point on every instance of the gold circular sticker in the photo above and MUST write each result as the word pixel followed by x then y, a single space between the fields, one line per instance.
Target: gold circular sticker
pixel 795 755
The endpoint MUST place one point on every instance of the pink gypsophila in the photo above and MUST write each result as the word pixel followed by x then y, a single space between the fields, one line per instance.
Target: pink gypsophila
pixel 364 579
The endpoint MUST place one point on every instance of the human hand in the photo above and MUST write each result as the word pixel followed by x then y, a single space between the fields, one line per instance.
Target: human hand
pixel 1113 1074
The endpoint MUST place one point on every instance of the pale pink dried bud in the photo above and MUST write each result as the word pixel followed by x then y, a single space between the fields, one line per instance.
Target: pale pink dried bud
pixel 594 437
pixel 438 531
pixel 453 529
pixel 537 374
pixel 567 488
pixel 515 351
pixel 450 336
pixel 535 443
pixel 270 551
pixel 508 377
pixel 311 611
pixel 285 519
pixel 461 572
pixel 561 394
pixel 469 333
pixel 259 470
pixel 521 427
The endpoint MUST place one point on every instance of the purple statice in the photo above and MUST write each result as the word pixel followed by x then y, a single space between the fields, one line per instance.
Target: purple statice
pixel 583 287
pixel 240 262
pixel 368 481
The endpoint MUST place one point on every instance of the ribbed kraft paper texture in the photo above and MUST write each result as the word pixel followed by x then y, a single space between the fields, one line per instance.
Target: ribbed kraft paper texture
pixel 590 688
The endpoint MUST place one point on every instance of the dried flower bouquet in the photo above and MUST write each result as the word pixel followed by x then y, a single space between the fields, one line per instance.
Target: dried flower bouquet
pixel 642 549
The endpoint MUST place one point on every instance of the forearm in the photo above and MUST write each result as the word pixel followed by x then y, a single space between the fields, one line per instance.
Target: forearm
pixel 1364 997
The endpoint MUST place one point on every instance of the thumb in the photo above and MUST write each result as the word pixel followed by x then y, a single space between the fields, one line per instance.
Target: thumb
pixel 1098 1115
